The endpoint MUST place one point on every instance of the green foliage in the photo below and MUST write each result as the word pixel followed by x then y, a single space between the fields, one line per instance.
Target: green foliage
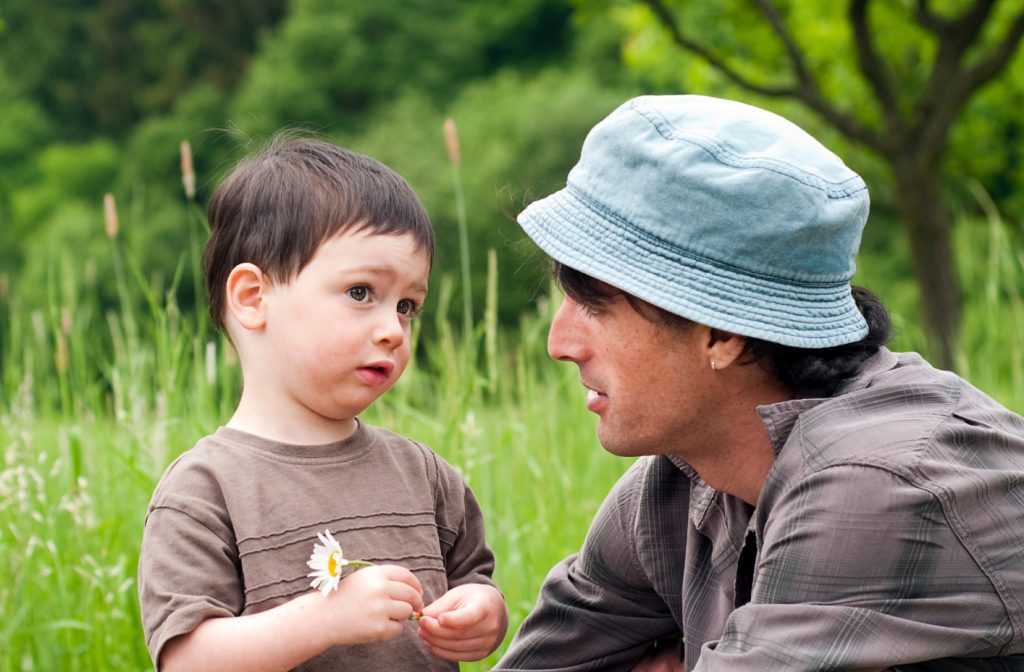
pixel 353 71
pixel 24 130
pixel 333 62
pixel 94 403
pixel 986 143
pixel 108 367
pixel 509 159
pixel 99 67
pixel 96 400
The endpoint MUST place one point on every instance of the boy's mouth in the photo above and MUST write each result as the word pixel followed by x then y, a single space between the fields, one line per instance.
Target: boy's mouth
pixel 376 373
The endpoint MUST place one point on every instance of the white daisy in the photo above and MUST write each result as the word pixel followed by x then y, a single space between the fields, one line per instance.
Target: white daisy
pixel 327 563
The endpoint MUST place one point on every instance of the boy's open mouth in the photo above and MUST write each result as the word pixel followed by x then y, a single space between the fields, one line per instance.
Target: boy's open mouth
pixel 376 373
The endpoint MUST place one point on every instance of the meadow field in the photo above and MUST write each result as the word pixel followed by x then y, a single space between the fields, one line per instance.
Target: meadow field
pixel 97 397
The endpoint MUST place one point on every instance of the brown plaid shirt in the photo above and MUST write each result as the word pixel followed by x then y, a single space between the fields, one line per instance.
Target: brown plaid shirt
pixel 889 532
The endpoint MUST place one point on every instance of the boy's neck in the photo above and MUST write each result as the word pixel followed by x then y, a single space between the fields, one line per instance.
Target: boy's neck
pixel 304 428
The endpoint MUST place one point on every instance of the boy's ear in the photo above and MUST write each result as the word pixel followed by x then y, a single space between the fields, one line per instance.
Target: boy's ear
pixel 245 293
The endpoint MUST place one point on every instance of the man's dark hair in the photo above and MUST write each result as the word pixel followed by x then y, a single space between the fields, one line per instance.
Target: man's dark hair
pixel 810 372
pixel 278 206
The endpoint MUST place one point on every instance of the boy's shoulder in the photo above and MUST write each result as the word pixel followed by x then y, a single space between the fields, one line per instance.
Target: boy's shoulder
pixel 402 448
pixel 198 471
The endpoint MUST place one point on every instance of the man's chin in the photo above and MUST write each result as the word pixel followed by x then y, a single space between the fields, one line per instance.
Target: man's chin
pixel 616 445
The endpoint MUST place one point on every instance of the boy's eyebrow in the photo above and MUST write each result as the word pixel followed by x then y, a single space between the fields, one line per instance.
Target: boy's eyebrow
pixel 383 269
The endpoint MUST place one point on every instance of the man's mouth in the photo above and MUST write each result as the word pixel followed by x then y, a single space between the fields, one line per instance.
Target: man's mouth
pixel 595 399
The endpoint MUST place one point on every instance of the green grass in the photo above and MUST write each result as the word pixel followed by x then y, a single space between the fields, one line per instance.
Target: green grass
pixel 98 398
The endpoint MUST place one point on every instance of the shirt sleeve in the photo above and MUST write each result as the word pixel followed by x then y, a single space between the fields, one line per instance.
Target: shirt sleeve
pixel 460 528
pixel 598 609
pixel 188 563
pixel 859 570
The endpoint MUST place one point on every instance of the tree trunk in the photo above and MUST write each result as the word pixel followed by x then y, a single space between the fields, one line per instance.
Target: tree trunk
pixel 920 202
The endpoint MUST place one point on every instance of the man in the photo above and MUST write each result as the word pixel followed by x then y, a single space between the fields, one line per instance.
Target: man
pixel 808 499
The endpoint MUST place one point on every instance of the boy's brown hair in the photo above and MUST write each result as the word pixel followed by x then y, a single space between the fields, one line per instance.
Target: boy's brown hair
pixel 278 206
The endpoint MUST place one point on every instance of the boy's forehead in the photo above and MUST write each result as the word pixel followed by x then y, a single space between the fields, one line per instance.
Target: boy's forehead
pixel 378 254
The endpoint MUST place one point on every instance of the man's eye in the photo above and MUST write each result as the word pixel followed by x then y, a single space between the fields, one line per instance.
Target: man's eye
pixel 359 293
pixel 407 307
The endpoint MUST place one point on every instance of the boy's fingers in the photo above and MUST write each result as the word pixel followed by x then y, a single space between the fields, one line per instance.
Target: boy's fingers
pixel 446 602
pixel 458 655
pixel 439 628
pixel 461 618
pixel 399 611
pixel 461 644
pixel 430 626
pixel 396 573
pixel 403 592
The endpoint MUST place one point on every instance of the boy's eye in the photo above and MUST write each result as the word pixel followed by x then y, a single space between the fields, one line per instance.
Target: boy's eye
pixel 407 307
pixel 359 293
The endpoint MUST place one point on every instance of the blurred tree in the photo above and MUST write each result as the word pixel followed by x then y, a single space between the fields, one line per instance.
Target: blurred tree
pixel 522 83
pixel 100 66
pixel 24 131
pixel 519 136
pixel 892 77
pixel 333 61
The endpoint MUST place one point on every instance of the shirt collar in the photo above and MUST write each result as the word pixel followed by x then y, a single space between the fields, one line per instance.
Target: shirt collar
pixel 779 419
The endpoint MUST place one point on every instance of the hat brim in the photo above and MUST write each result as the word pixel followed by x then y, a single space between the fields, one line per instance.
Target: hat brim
pixel 577 233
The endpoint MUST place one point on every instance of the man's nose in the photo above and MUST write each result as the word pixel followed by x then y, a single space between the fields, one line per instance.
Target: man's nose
pixel 564 343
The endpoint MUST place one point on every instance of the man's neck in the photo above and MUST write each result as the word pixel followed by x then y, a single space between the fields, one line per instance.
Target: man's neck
pixel 738 453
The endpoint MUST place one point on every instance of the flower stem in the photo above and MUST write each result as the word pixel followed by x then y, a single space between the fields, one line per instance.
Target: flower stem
pixel 358 564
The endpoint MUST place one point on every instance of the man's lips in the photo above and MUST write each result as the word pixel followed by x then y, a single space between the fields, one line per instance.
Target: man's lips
pixel 595 399
pixel 376 373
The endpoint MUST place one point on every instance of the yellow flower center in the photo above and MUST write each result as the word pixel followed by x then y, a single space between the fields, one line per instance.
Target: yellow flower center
pixel 332 563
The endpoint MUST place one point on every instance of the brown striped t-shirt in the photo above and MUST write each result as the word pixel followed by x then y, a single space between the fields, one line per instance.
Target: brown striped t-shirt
pixel 233 522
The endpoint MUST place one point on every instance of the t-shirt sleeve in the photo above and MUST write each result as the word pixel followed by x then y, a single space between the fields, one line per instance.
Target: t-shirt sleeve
pixel 460 529
pixel 598 609
pixel 188 564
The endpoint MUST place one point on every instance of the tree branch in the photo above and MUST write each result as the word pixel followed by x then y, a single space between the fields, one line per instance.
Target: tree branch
pixel 796 57
pixel 924 15
pixel 668 19
pixel 806 92
pixel 1000 57
pixel 950 84
pixel 874 68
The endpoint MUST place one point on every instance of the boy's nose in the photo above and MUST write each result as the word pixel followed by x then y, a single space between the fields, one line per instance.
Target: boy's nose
pixel 564 342
pixel 389 331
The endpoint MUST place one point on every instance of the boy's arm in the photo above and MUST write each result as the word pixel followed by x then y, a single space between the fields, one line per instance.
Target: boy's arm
pixel 372 604
pixel 470 620
pixel 190 594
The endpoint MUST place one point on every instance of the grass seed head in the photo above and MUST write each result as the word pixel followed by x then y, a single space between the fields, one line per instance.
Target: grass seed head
pixel 188 173
pixel 110 215
pixel 451 141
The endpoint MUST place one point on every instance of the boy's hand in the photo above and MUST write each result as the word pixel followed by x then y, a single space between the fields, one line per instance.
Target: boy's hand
pixel 373 604
pixel 466 623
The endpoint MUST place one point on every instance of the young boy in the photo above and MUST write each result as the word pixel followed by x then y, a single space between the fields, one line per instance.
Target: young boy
pixel 317 262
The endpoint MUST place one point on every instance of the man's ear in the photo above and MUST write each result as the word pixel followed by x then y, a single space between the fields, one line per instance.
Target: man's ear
pixel 245 292
pixel 724 348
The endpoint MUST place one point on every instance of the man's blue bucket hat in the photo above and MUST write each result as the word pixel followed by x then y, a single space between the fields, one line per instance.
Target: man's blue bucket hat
pixel 717 211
